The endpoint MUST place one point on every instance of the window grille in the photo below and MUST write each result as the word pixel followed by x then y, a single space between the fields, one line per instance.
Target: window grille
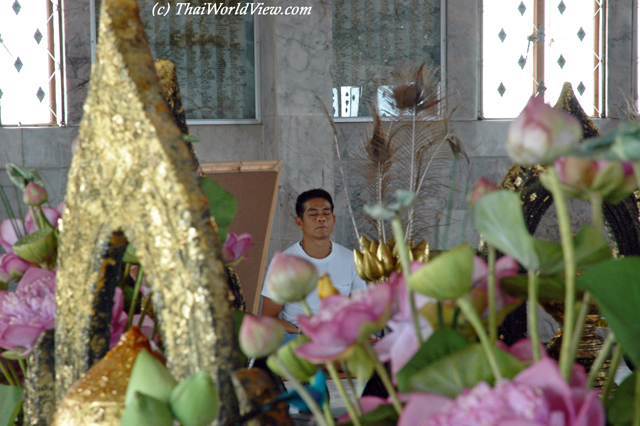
pixel 30 63
pixel 535 46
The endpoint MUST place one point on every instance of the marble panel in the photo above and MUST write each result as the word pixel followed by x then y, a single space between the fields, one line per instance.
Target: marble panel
pixel 462 49
pixel 454 230
pixel 270 148
pixel 48 147
pixel 304 58
pixel 77 56
pixel 266 28
pixel 228 142
pixel 11 146
pixel 55 180
pixel 622 64
pixel 483 138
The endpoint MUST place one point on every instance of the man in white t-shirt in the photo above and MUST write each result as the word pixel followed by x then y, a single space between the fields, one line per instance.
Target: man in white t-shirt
pixel 315 218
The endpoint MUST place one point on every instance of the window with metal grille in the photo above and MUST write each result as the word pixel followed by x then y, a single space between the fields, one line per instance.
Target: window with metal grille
pixel 535 46
pixel 31 63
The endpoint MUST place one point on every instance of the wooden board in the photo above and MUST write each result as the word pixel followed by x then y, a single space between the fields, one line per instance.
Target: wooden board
pixel 254 184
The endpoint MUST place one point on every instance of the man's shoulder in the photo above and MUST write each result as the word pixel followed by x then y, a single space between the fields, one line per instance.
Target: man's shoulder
pixel 341 250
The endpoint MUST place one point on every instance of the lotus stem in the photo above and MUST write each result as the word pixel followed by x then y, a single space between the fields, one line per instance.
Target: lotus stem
pixel 396 225
pixel 304 394
pixel 7 374
pixel 143 312
pixel 580 319
pixel 326 409
pixel 305 306
pixel 491 287
pixel 474 319
pixel 597 217
pixel 636 402
pixel 356 402
pixel 134 298
pixel 600 359
pixel 533 314
pixel 613 366
pixel 384 376
pixel 568 251
pixel 343 393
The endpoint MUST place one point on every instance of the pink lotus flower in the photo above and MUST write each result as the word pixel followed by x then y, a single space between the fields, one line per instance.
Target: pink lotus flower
pixel 506 266
pixel 344 321
pixel 235 246
pixel 260 336
pixel 538 396
pixel 290 278
pixel 8 235
pixel 541 133
pixel 12 266
pixel 401 344
pixel 50 213
pixel 28 311
pixel 119 320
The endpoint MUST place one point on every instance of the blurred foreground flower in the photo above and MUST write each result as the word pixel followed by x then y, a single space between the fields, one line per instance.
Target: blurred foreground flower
pixel 28 311
pixel 235 247
pixel 401 344
pixel 344 321
pixel 12 266
pixel 537 396
pixel 260 336
pixel 612 180
pixel 541 133
pixel 290 278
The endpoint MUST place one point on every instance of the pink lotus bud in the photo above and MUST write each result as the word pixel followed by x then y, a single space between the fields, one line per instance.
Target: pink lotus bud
pixel 235 247
pixel 13 266
pixel 34 195
pixel 611 180
pixel 540 134
pixel 290 279
pixel 482 187
pixel 260 336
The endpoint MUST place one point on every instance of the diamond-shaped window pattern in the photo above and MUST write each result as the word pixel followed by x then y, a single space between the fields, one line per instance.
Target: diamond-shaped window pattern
pixel 561 61
pixel 0 93
pixel 541 88
pixel 581 88
pixel 522 8
pixel 581 33
pixel 522 61
pixel 28 67
pixel 502 35
pixel 562 7
pixel 18 64
pixel 501 89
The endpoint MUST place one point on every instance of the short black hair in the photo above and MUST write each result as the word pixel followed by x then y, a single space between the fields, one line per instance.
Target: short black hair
pixel 309 195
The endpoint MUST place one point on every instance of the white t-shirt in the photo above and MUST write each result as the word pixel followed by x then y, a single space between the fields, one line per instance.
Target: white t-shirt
pixel 341 269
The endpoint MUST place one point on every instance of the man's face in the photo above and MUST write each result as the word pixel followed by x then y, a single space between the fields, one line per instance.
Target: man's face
pixel 317 220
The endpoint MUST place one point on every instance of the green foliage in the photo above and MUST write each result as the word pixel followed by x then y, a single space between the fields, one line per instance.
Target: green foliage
pixel 361 366
pixel 590 247
pixel 10 403
pixel 621 406
pixel 451 375
pixel 550 288
pixel 443 342
pixel 616 285
pixel 382 415
pixel 447 276
pixel 499 219
pixel 222 205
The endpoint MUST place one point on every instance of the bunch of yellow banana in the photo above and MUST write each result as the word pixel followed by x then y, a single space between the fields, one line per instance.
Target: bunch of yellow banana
pixel 375 261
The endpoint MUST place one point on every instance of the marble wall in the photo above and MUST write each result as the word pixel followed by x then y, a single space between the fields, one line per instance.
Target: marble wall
pixel 295 69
